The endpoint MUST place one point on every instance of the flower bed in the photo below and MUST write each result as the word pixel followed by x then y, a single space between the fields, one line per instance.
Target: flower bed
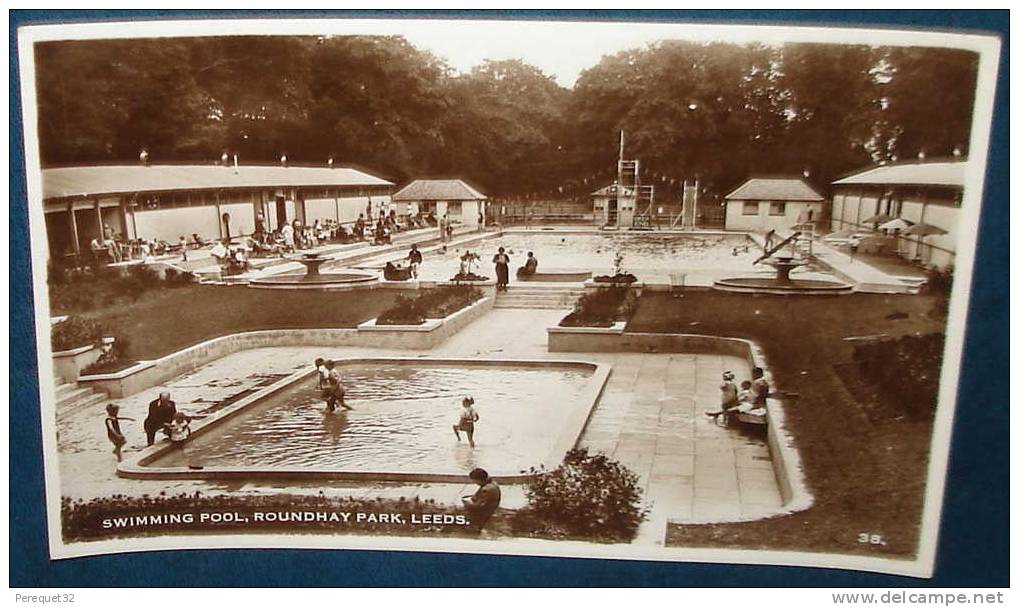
pixel 75 332
pixel 469 277
pixel 905 370
pixel 624 278
pixel 602 307
pixel 112 359
pixel 587 496
pixel 430 303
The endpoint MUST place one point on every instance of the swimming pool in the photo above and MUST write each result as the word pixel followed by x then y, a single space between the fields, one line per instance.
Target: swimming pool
pixel 645 254
pixel 402 420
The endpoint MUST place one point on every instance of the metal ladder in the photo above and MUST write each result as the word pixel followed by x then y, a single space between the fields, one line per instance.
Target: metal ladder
pixel 805 243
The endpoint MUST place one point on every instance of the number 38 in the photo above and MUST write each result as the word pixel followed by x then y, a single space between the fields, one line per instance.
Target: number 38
pixel 870 538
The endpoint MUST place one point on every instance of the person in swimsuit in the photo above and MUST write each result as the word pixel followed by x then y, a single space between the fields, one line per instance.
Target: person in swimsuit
pixel 179 430
pixel 485 501
pixel 414 257
pixel 761 388
pixel 729 394
pixel 468 417
pixel 322 372
pixel 334 391
pixel 113 431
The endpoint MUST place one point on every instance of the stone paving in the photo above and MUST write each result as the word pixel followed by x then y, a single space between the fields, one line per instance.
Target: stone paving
pixel 650 417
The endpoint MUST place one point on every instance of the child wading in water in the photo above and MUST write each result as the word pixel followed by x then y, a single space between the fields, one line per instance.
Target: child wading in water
pixel 113 431
pixel 468 416
pixel 334 391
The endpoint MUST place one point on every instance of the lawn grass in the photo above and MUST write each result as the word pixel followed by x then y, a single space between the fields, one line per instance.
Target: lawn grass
pixel 162 321
pixel 866 468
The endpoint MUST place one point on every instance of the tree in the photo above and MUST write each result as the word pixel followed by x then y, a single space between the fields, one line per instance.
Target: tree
pixel 717 112
pixel 503 128
pixel 833 105
pixel 929 95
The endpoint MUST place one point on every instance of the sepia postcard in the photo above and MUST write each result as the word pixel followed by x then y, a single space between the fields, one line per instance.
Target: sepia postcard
pixel 595 289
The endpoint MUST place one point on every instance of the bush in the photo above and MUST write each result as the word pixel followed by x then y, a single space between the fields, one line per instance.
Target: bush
pixel 587 495
pixel 939 281
pixel 469 277
pixel 75 332
pixel 113 359
pixel 430 303
pixel 624 278
pixel 602 307
pixel 905 370
pixel 81 292
pixel 175 278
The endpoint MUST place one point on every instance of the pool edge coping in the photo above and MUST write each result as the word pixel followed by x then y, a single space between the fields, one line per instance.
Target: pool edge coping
pixel 137 468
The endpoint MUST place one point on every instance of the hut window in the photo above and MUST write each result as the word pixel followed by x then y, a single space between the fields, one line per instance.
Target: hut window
pixel 751 208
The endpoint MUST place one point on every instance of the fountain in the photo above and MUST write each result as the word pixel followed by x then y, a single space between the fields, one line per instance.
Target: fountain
pixel 784 265
pixel 313 278
pixel 782 283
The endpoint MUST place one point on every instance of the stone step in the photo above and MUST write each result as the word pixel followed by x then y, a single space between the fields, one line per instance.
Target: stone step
pixel 63 408
pixel 63 389
pixel 531 306
pixel 72 395
pixel 514 294
pixel 873 287
pixel 549 304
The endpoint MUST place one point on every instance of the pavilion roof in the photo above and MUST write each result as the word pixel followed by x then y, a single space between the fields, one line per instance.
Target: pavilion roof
pixel 120 179
pixel 942 174
pixel 792 189
pixel 438 189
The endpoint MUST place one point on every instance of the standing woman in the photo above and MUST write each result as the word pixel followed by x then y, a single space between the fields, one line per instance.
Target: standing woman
pixel 501 261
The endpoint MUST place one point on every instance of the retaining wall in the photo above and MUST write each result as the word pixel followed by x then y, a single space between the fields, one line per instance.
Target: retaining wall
pixel 147 374
pixel 784 456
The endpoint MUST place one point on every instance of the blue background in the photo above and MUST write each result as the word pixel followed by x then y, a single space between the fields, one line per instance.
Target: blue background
pixel 973 548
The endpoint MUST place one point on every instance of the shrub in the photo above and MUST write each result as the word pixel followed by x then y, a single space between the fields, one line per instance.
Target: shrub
pixel 588 495
pixel 175 278
pixel 602 307
pixel 404 311
pixel 905 370
pixel 470 277
pixel 624 278
pixel 939 281
pixel 430 303
pixel 75 332
pixel 112 359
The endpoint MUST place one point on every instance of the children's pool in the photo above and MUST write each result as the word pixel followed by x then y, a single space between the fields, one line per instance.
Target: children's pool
pixel 644 254
pixel 402 420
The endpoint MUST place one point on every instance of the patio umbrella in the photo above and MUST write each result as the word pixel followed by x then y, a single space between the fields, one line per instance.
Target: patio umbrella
pixel 895 224
pixel 879 218
pixel 924 229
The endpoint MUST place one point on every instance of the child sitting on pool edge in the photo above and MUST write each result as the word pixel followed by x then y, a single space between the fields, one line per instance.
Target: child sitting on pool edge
pixel 468 416
pixel 178 429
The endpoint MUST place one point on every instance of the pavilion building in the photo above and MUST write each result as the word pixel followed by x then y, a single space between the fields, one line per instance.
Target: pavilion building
pixel 213 201
pixel 922 198
pixel 774 203
pixel 454 199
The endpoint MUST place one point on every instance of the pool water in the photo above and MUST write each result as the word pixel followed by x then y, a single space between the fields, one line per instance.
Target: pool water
pixel 644 254
pixel 402 420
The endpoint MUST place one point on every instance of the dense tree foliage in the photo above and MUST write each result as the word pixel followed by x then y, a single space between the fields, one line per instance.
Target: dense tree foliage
pixel 715 111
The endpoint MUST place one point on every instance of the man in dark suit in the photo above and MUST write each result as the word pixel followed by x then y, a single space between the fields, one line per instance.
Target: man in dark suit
pixel 161 411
